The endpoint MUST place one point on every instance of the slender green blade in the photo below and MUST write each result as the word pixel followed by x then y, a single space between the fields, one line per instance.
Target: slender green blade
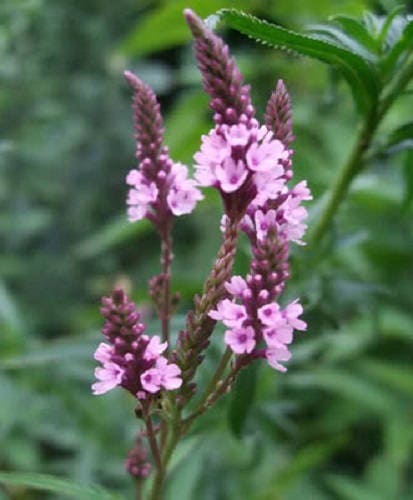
pixel 400 48
pixel 332 34
pixel 358 72
pixel 54 484
pixel 242 399
pixel 357 31
pixel 400 139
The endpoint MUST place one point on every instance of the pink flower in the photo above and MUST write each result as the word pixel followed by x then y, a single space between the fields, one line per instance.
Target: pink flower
pixel 151 380
pixel 264 222
pixel 278 335
pixel 241 340
pixel 155 348
pixel 275 354
pixel 231 174
pixel 140 196
pixel 266 156
pixel 301 191
pixel 293 214
pixel 269 314
pixel 143 194
pixel 232 315
pixel 182 200
pixel 170 374
pixel 136 213
pixel 237 135
pixel 103 353
pixel 134 178
pixel 214 150
pixel 291 313
pixel 109 376
pixel 236 286
pixel 269 184
pixel 183 194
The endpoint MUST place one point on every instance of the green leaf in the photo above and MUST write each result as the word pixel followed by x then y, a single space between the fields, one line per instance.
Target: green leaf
pixel 358 72
pixel 408 179
pixel 336 36
pixel 401 138
pixel 51 352
pixel 401 46
pixel 184 144
pixel 383 476
pixel 115 232
pixel 397 377
pixel 242 399
pixel 165 27
pixel 387 35
pixel 350 489
pixel 357 31
pixel 54 484
pixel 307 458
pixel 372 23
pixel 10 316
pixel 348 385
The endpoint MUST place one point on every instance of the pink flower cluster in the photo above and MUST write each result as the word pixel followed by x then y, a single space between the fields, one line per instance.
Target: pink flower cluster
pixel 257 325
pixel 144 196
pixel 131 359
pixel 286 221
pixel 245 160
pixel 160 188
pixel 254 322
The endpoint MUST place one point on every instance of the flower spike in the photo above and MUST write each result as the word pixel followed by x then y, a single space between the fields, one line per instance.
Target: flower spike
pixel 221 78
pixel 278 115
pixel 160 188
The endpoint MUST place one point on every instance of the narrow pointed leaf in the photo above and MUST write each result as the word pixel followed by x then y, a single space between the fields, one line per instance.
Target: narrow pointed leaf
pixel 372 23
pixel 357 31
pixel 334 35
pixel 386 33
pixel 408 179
pixel 350 489
pixel 401 138
pixel 357 71
pixel 399 378
pixel 60 351
pixel 163 27
pixel 54 484
pixel 401 48
pixel 242 399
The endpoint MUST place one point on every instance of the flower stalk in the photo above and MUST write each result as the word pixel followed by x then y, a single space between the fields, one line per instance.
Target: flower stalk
pixel 250 165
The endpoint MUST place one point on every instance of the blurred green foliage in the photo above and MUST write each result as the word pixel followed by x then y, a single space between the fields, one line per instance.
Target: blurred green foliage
pixel 339 424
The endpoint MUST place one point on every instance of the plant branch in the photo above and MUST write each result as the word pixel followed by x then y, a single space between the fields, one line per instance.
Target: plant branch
pixel 212 386
pixel 153 443
pixel 355 162
pixel 340 188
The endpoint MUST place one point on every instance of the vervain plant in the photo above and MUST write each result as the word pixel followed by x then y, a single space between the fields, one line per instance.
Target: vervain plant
pixel 250 165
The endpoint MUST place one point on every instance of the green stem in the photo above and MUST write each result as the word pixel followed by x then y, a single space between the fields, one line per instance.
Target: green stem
pixel 396 87
pixel 157 486
pixel 153 443
pixel 355 162
pixel 347 173
pixel 160 473
pixel 202 406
